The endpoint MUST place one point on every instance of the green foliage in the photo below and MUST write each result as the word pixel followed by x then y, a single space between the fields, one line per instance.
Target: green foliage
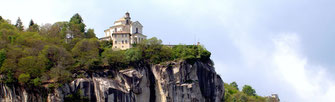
pixel 133 55
pixel 33 27
pixel 86 53
pixel 234 84
pixel 56 56
pixel 190 53
pixel 90 34
pixel 37 81
pixel 76 97
pixel 43 56
pixel 247 89
pixel 77 26
pixel 24 78
pixel 117 59
pixel 60 74
pixel 2 56
pixel 32 65
pixel 19 24
pixel 106 44
pixel 153 50
pixel 232 94
pixel 9 78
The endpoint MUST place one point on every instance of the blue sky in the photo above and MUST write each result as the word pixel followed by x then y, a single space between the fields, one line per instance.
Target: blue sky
pixel 276 46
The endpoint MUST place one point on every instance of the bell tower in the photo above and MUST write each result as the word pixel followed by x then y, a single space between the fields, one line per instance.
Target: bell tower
pixel 127 17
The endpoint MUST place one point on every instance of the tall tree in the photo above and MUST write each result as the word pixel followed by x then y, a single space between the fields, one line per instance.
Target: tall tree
pixel 247 89
pixel 33 27
pixel 234 84
pixel 77 26
pixel 31 23
pixel 19 24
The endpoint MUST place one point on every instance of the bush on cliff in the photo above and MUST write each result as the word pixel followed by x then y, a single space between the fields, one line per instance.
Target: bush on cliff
pixel 232 94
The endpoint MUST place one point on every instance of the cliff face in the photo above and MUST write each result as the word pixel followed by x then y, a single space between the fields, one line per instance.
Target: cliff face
pixel 171 82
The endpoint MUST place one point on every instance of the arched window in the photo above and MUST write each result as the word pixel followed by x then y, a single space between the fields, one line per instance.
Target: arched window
pixel 122 42
pixel 136 30
pixel 126 42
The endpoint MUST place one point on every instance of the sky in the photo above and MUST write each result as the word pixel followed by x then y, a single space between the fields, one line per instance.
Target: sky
pixel 276 46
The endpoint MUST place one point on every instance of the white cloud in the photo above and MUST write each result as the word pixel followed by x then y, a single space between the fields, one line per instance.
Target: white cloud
pixel 310 82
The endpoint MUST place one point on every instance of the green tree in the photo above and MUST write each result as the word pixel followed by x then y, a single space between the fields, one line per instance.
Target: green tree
pixel 19 24
pixel 153 51
pixel 106 44
pixel 115 59
pixel 33 27
pixel 90 34
pixel 32 65
pixel 234 84
pixel 204 54
pixel 247 89
pixel 77 25
pixel 86 53
pixel 31 23
pixel 133 54
pixel 56 56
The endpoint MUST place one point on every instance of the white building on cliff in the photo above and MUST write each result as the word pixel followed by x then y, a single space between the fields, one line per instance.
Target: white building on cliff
pixel 124 33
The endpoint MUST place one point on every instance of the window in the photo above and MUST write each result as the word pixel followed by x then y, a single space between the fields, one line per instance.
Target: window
pixel 122 41
pixel 122 35
pixel 115 46
pixel 136 30
pixel 126 42
pixel 122 46
pixel 115 42
pixel 115 29
pixel 127 21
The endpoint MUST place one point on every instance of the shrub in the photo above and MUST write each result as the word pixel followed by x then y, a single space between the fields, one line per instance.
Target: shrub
pixel 24 78
pixel 247 89
pixel 37 82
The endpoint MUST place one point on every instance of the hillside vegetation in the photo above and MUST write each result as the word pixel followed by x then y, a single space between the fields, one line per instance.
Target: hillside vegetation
pixel 48 55
pixel 247 94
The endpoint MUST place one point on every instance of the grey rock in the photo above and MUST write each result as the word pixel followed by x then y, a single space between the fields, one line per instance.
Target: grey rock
pixel 170 82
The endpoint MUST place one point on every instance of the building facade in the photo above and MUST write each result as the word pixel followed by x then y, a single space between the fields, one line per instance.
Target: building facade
pixel 124 33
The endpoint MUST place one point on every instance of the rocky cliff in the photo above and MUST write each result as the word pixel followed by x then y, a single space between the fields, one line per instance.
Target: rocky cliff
pixel 169 82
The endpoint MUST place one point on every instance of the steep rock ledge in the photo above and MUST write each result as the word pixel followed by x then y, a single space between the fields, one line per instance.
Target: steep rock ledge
pixel 169 82
pixel 184 82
